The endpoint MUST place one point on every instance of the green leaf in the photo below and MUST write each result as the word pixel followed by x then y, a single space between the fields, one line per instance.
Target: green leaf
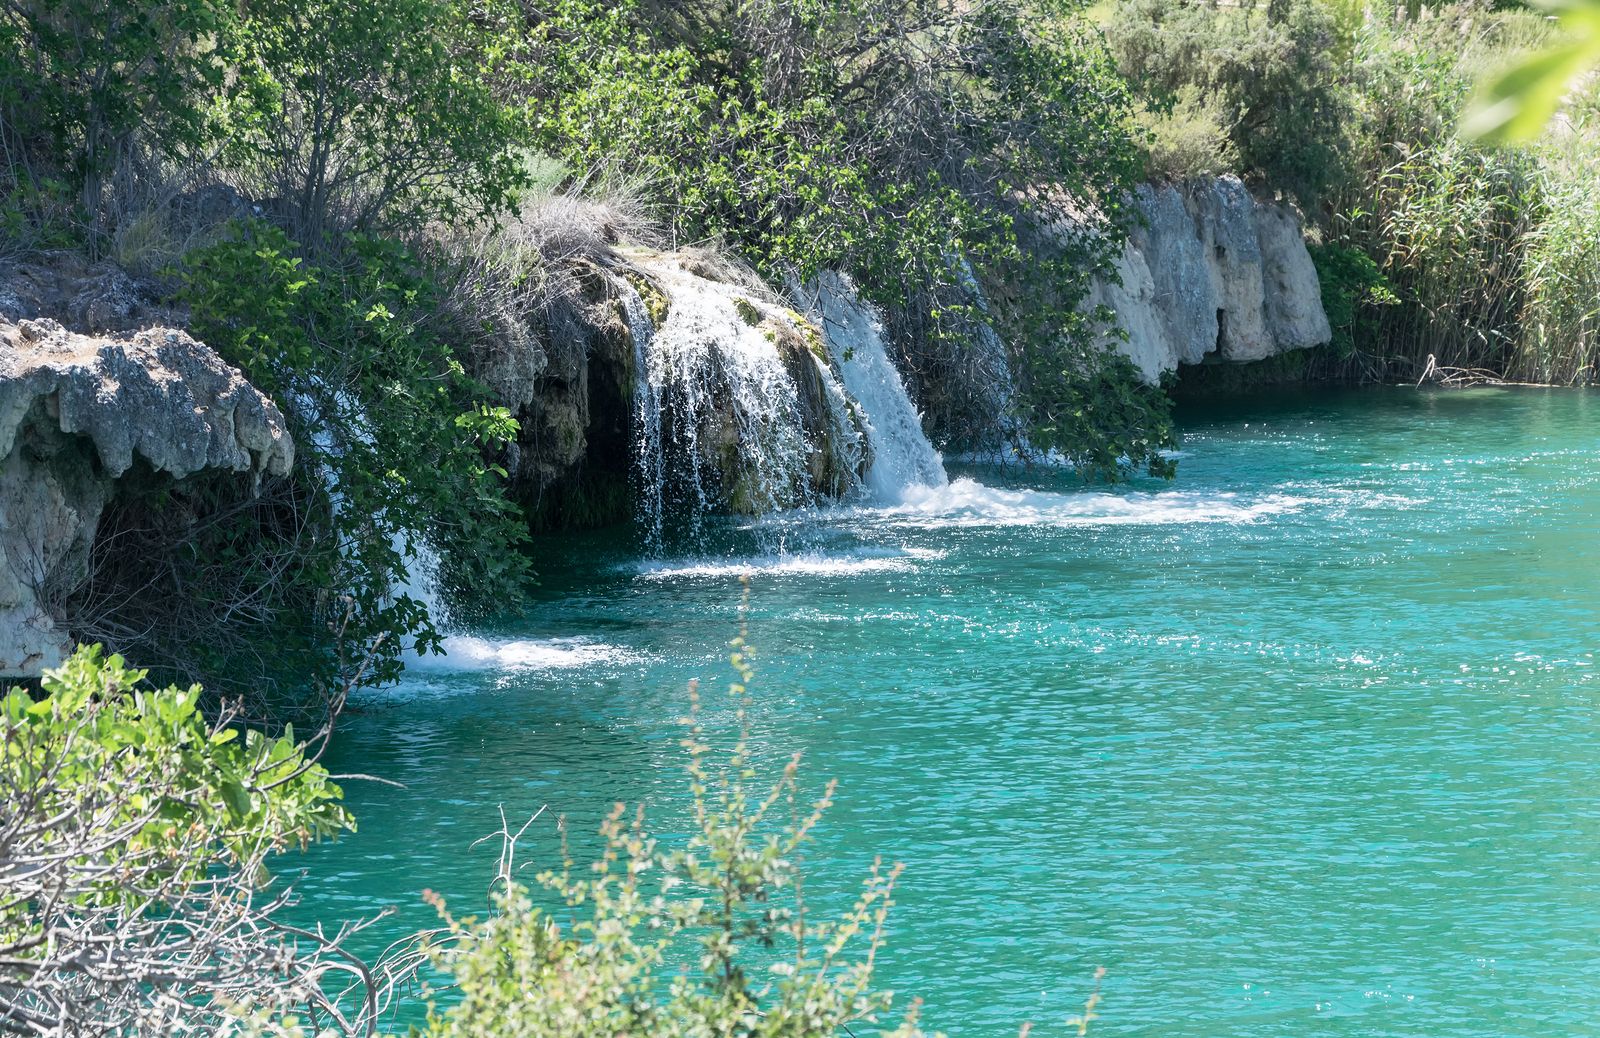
pixel 1519 103
pixel 237 798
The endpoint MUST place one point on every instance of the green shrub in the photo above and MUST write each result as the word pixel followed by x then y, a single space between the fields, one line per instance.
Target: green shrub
pixel 1186 137
pixel 1351 282
pixel 136 837
pixel 1269 72
pixel 38 212
pixel 348 112
pixel 392 436
pixel 80 78
pixel 1449 223
pixel 1099 425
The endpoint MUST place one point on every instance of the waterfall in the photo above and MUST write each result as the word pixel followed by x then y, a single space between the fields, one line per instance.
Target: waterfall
pixel 649 450
pixel 326 408
pixel 420 579
pixel 722 419
pixel 902 457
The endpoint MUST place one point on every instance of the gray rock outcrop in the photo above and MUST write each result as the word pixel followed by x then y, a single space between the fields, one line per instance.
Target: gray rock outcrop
pixel 76 413
pixel 1214 273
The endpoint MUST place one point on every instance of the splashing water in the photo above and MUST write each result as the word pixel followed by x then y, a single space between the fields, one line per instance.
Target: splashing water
pixel 719 419
pixel 902 457
pixel 649 451
pixel 465 653
pixel 967 503
pixel 420 579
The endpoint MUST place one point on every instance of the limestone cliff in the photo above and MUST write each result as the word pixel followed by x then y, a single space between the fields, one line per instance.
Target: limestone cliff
pixel 1214 274
pixel 76 412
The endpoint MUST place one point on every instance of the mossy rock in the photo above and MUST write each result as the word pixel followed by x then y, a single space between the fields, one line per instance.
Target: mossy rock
pixel 748 311
pixel 656 303
pixel 812 336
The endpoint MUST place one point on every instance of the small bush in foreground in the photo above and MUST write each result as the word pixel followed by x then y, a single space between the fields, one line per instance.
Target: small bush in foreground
pixel 713 938
pixel 134 836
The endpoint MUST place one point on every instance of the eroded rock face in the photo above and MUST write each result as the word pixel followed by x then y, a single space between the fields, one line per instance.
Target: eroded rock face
pixel 1295 317
pixel 676 381
pixel 572 460
pixel 75 413
pixel 1132 297
pixel 1216 273
pixel 1184 300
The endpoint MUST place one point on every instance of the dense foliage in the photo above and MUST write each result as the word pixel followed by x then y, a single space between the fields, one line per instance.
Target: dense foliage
pixel 281 167
pixel 945 154
pixel 1486 247
pixel 1267 76
pixel 82 82
pixel 392 433
pixel 356 114
pixel 133 839
pixel 1351 286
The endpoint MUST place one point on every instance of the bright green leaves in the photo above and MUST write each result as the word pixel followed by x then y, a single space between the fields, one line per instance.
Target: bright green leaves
pixel 392 432
pixel 237 798
pixel 137 835
pixel 1519 103
pixel 101 736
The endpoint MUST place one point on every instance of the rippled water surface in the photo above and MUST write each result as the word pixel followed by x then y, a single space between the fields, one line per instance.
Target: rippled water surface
pixel 1303 743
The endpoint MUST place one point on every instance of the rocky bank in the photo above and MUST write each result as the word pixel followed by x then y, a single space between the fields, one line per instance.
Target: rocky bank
pixel 1214 275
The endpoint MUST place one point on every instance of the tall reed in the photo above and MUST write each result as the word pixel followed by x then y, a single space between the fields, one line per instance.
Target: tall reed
pixel 1493 253
pixel 1560 318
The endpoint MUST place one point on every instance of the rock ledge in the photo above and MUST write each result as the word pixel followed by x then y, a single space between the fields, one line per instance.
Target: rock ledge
pixel 1214 274
pixel 76 412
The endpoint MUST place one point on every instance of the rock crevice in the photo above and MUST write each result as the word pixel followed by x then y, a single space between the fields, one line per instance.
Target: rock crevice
pixel 1214 274
pixel 76 413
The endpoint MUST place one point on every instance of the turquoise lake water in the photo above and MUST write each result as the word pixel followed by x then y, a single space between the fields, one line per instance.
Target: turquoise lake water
pixel 1305 742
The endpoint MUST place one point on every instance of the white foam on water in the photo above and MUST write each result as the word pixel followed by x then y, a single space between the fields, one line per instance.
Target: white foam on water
pixel 467 653
pixel 967 503
pixel 816 564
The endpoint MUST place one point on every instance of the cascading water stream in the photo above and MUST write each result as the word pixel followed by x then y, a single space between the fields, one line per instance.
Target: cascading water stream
pixel 649 451
pixel 902 457
pixel 720 419
pixel 330 408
